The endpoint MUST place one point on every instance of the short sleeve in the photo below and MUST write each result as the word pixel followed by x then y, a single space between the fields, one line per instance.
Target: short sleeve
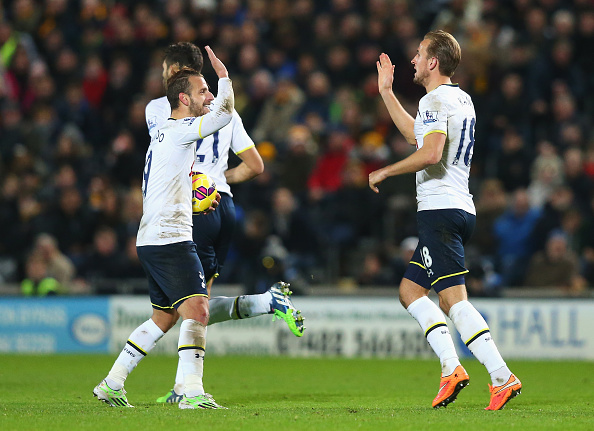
pixel 240 140
pixel 434 115
pixel 156 112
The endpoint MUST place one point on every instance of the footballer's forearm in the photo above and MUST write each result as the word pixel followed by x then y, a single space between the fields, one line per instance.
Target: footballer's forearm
pixel 251 166
pixel 402 119
pixel 240 174
pixel 223 112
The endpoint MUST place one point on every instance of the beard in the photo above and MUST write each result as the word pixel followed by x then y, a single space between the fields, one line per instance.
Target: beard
pixel 421 77
pixel 197 110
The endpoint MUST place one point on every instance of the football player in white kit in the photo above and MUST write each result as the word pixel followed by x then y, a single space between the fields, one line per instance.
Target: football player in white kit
pixel 164 241
pixel 443 132
pixel 213 232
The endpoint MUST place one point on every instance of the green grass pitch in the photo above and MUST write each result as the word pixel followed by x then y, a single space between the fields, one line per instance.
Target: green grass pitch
pixel 265 393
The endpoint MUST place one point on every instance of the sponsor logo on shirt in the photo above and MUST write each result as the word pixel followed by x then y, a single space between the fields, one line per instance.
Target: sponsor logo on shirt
pixel 429 117
pixel 188 121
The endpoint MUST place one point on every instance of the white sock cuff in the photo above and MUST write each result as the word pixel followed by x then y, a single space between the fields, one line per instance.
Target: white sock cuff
pixel 153 329
pixel 457 307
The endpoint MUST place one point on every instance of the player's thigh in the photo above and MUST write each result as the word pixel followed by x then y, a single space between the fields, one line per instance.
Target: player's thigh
pixel 158 298
pixel 175 273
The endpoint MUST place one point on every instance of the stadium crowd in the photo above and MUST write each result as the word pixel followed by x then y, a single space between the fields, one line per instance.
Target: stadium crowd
pixel 75 77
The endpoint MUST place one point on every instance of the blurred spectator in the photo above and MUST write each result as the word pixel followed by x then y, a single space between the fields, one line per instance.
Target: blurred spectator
pixel 547 174
pixel 509 106
pixel 250 243
pixel 575 177
pixel 123 161
pixel 482 280
pixel 375 271
pixel 37 281
pixel 13 128
pixel 130 266
pixel 70 222
pixel 318 95
pixel 295 230
pixel 105 258
pixel 94 80
pixel 327 174
pixel 512 161
pixel 513 230
pixel 490 205
pixel 347 211
pixel 571 225
pixel 565 117
pixel 372 151
pixel 556 266
pixel 75 78
pixel 404 256
pixel 17 78
pixel 560 200
pixel 58 266
pixel 298 163
pixel 278 113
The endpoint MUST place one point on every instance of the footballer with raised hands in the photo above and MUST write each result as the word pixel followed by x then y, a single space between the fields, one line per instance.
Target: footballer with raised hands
pixel 213 232
pixel 443 133
pixel 164 241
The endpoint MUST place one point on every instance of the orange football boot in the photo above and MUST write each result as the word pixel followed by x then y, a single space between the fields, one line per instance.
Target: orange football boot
pixel 500 395
pixel 450 386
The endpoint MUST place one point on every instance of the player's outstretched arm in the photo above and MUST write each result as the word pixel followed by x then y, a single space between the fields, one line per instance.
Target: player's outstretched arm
pixel 251 166
pixel 223 103
pixel 385 81
pixel 429 154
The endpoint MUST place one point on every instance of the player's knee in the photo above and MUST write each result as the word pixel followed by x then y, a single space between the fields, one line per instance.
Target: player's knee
pixel 195 308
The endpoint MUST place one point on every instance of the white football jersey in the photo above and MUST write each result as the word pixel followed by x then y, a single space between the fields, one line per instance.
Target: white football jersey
pixel 212 152
pixel 450 111
pixel 167 177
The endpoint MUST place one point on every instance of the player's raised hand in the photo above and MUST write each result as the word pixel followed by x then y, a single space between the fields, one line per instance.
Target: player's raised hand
pixel 217 64
pixel 385 73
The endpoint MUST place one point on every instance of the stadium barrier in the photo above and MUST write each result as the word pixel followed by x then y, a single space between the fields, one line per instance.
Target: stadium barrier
pixel 336 326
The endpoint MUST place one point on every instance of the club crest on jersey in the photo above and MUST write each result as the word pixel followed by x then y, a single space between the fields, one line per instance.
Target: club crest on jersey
pixel 429 117
pixel 188 121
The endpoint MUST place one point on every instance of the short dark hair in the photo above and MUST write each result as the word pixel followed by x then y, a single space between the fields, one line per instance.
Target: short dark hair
pixel 179 82
pixel 446 49
pixel 184 54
